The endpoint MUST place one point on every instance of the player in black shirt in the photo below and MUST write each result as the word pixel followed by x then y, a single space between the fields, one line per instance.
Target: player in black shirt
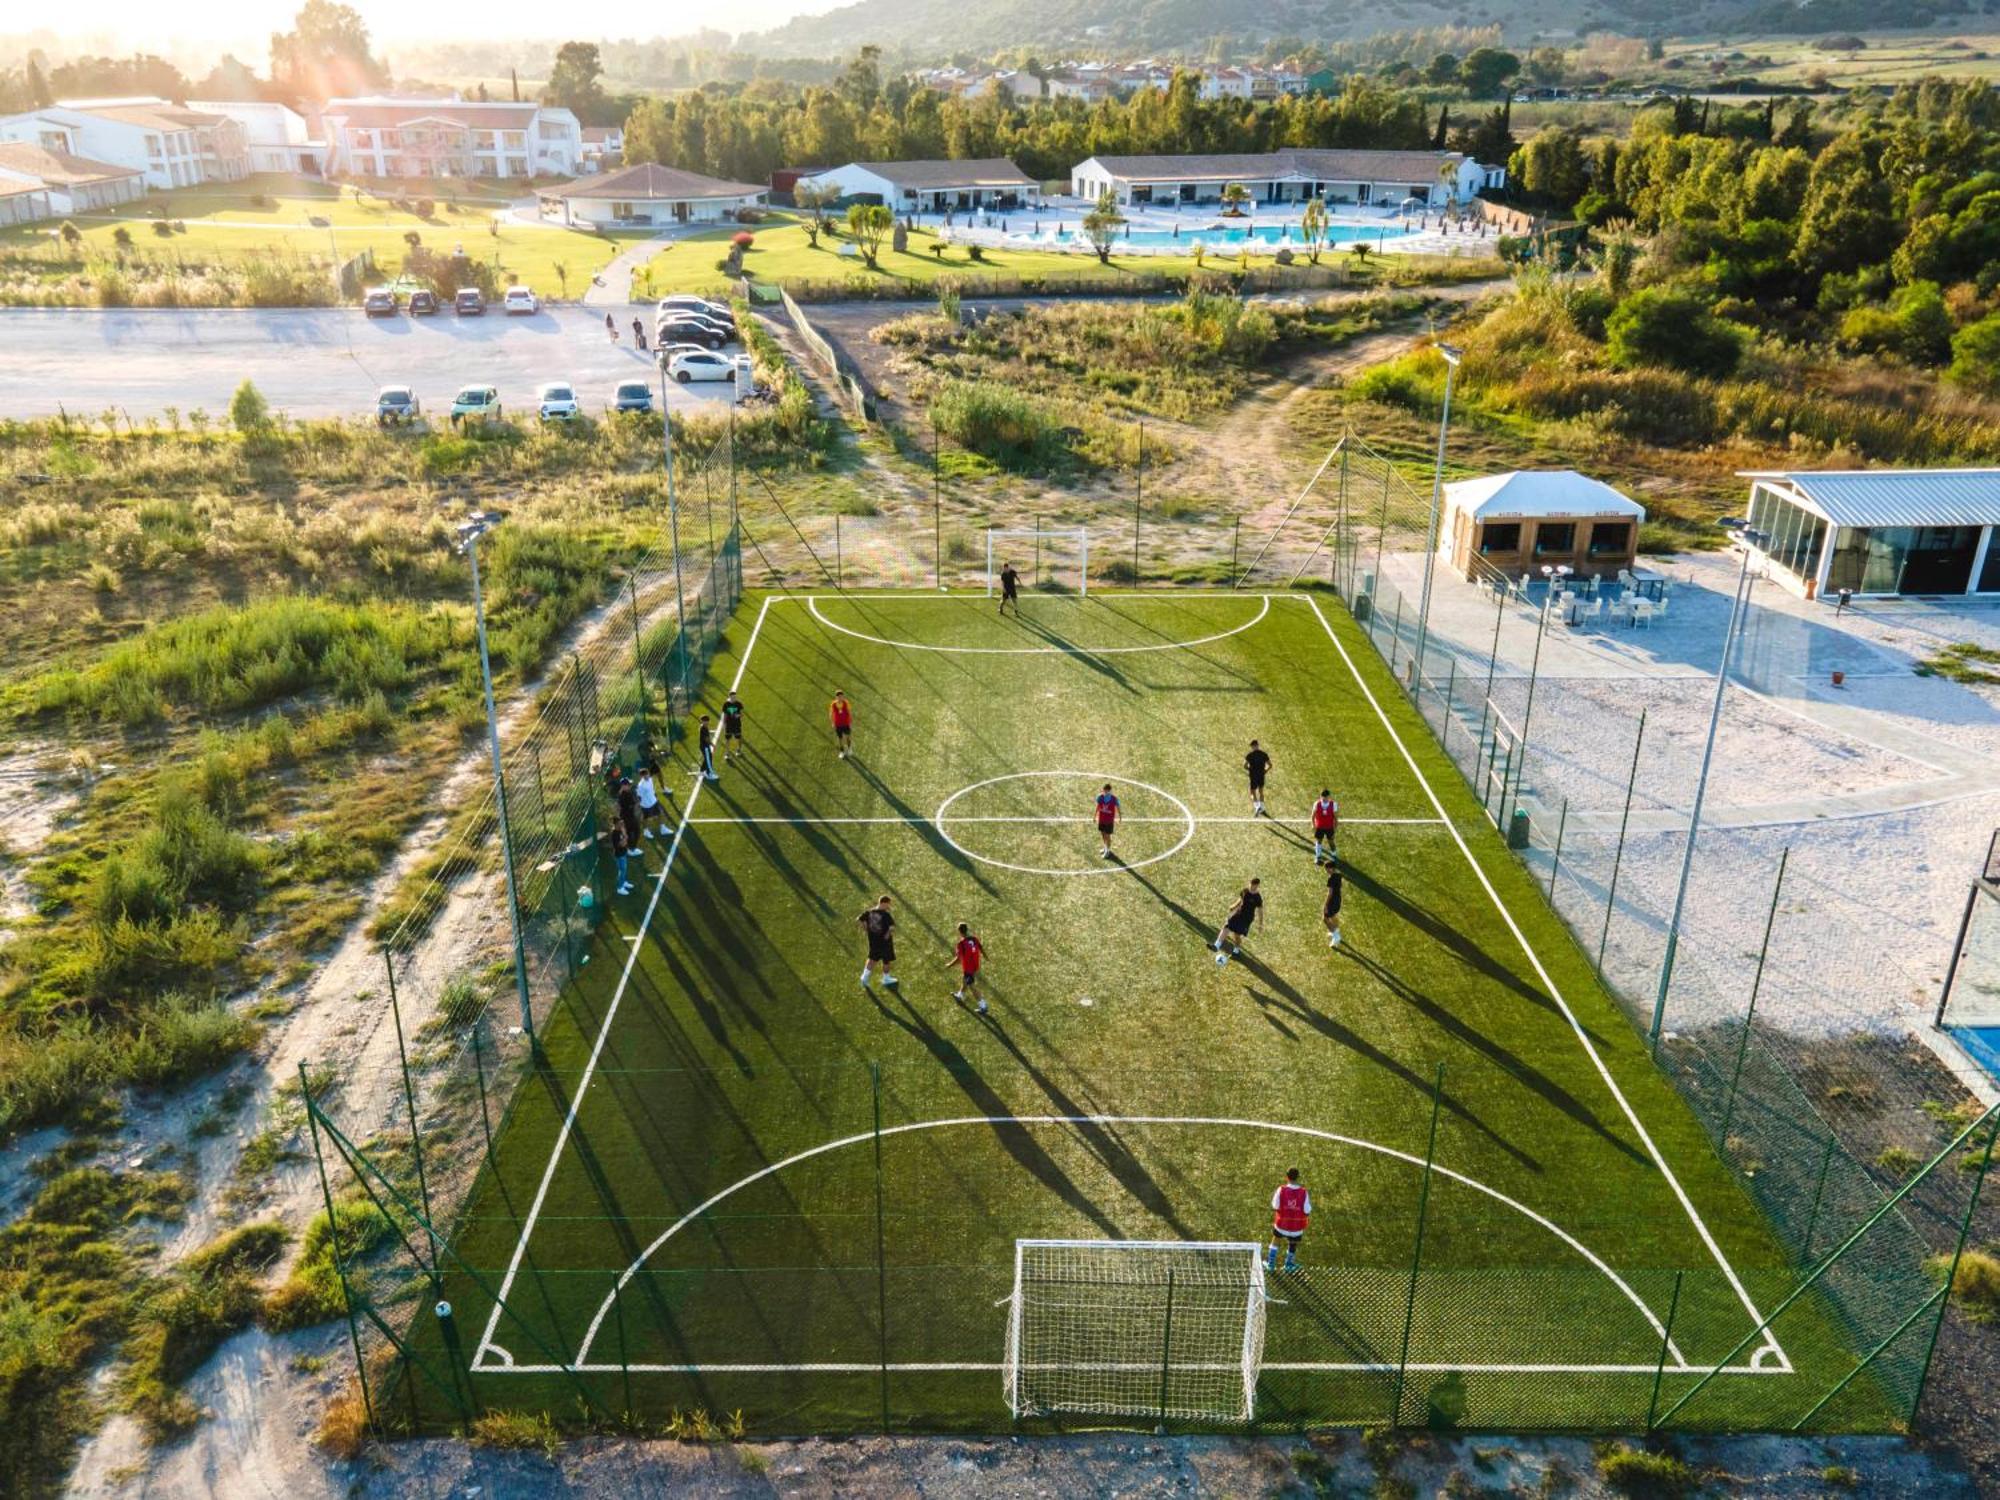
pixel 1248 910
pixel 732 725
pixel 1010 589
pixel 1257 762
pixel 1331 911
pixel 707 743
pixel 880 926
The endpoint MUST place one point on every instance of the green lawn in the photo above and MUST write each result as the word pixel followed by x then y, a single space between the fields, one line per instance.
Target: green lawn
pixel 225 224
pixel 781 253
pixel 706 1116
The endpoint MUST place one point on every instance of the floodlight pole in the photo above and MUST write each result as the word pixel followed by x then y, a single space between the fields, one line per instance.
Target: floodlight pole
pixel 1751 538
pixel 472 536
pixel 674 536
pixel 1452 357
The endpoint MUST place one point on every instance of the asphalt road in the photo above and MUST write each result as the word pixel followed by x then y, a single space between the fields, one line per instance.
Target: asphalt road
pixel 309 362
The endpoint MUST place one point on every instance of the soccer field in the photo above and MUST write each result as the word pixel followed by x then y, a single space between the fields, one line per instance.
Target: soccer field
pixel 741 1182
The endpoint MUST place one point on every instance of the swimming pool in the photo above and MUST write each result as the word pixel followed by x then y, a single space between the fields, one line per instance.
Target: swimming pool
pixel 1266 234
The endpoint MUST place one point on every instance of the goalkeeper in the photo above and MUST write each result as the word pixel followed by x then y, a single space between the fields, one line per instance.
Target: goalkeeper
pixel 1291 1211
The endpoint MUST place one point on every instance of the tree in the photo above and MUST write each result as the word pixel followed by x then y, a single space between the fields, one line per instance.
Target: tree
pixel 1617 254
pixel 1846 219
pixel 231 79
pixel 1443 69
pixel 248 411
pixel 1312 229
pixel 573 82
pixel 1101 225
pixel 39 95
pixel 1552 166
pixel 1234 196
pixel 867 224
pixel 325 54
pixel 1486 72
pixel 1975 357
pixel 1548 65
pixel 1444 125
pixel 813 199
pixel 649 131
pixel 1660 326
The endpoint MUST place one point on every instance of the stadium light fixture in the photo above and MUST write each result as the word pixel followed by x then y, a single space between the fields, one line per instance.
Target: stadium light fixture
pixel 469 531
pixel 1453 357
pixel 1753 540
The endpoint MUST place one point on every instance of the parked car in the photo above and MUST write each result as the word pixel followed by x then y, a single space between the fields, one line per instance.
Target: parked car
pixel 475 403
pixel 701 365
pixel 686 302
pixel 556 402
pixel 396 406
pixel 379 302
pixel 468 303
pixel 632 395
pixel 687 328
pixel 423 304
pixel 520 299
pixel 668 349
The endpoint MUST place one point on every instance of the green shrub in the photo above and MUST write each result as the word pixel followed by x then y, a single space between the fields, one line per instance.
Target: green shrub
pixel 311 1294
pixel 1643 1475
pixel 1017 431
pixel 248 411
pixel 181 1319
pixel 1659 326
pixel 1975 1288
pixel 1914 326
pixel 1975 356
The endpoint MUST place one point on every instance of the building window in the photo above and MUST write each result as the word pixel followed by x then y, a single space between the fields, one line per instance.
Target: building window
pixel 1500 536
pixel 1555 539
pixel 1610 538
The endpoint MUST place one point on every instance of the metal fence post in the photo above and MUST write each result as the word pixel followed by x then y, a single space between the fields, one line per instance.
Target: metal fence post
pixel 1138 501
pixel 624 1359
pixel 1819 1189
pixel 1555 865
pixel 1382 527
pixel 333 1243
pixel 1235 550
pixel 1417 1253
pixel 839 568
pixel 638 649
pixel 1618 858
pixel 416 1141
pixel 881 1268
pixel 1666 1342
pixel 1951 1273
pixel 1757 984
pixel 479 1074
pixel 1167 1348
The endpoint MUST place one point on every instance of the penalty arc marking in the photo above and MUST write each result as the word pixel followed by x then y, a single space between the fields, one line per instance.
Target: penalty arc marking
pixel 1679 1360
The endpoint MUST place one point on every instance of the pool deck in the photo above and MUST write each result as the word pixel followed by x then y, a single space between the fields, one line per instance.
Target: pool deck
pixel 1037 228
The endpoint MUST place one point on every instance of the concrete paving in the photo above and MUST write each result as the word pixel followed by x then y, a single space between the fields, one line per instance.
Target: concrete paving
pixel 309 362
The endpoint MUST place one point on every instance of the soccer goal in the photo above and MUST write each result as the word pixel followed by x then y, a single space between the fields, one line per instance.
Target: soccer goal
pixel 1165 1329
pixel 1057 559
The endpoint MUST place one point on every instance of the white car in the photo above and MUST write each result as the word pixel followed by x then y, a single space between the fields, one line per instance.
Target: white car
pixel 556 402
pixel 700 364
pixel 683 302
pixel 520 299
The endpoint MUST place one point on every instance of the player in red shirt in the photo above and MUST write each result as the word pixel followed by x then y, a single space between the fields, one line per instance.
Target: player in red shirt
pixel 1326 823
pixel 969 954
pixel 1107 817
pixel 1291 1211
pixel 841 712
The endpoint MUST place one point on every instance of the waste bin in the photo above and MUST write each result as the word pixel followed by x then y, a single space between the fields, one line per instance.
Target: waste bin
pixel 1517 830
pixel 1364 606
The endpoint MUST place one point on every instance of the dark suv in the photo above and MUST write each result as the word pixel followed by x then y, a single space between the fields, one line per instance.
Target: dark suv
pixel 468 303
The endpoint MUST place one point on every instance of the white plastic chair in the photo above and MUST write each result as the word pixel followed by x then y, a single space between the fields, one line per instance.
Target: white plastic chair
pixel 1642 613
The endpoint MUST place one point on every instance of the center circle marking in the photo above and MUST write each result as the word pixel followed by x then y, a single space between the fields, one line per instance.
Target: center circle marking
pixel 1263 609
pixel 1112 867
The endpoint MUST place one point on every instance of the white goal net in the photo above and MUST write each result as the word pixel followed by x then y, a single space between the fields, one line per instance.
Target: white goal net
pixel 1150 1328
pixel 1050 559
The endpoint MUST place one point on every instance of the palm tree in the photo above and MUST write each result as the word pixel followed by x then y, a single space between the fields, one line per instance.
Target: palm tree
pixel 1312 228
pixel 1234 196
pixel 561 268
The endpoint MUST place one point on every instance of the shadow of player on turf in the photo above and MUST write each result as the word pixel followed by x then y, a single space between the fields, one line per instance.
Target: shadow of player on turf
pixel 940 845
pixel 1509 1062
pixel 1018 1140
pixel 1079 654
pixel 1295 1006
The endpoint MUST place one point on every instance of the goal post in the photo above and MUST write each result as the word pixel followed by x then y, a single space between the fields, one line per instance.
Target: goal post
pixel 1167 1329
pixel 1048 558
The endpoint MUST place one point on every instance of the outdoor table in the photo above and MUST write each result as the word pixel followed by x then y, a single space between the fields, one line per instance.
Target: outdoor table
pixel 1650 585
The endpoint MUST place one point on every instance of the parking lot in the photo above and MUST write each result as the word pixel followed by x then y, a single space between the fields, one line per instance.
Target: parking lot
pixel 312 362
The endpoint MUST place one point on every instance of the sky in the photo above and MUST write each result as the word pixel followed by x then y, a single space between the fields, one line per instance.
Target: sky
pixel 245 26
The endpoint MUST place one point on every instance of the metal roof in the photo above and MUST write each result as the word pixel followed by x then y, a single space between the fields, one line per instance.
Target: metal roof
pixel 1894 497
pixel 1539 493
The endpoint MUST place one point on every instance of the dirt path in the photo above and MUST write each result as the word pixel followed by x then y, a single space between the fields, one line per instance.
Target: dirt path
pixel 253 1391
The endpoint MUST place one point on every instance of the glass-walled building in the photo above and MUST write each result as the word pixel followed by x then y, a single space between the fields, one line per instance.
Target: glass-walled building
pixel 1881 531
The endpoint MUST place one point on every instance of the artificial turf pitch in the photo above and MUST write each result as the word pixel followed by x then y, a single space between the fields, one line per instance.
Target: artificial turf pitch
pixel 706 1116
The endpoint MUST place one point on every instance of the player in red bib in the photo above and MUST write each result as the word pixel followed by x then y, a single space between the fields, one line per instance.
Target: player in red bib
pixel 969 954
pixel 1291 1211
pixel 1107 817
pixel 1326 823
pixel 841 712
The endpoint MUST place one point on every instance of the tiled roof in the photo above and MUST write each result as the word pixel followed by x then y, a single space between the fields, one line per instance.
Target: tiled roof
pixel 1323 166
pixel 648 181
pixel 152 116
pixel 58 168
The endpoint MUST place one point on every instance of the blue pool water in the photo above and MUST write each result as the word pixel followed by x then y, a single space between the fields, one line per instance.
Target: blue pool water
pixel 1269 234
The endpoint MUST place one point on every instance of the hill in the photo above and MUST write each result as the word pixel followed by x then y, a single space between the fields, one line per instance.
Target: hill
pixel 930 29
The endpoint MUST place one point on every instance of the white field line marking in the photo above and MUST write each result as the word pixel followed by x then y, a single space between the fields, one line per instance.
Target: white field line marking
pixel 812 604
pixel 604 1308
pixel 1080 818
pixel 1287 1367
pixel 604 1030
pixel 1771 1343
